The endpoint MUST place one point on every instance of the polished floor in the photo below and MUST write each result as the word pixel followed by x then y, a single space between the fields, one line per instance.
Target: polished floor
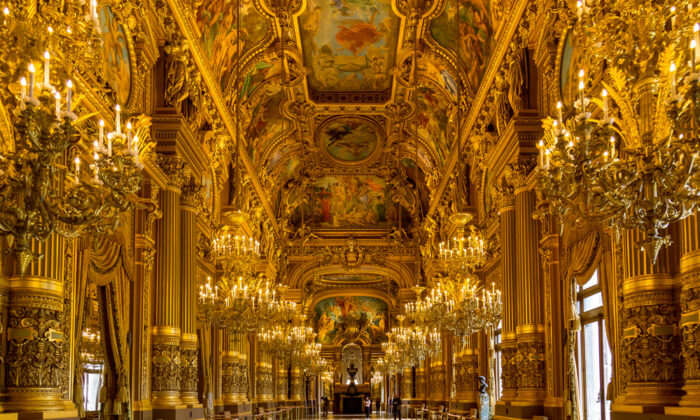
pixel 375 416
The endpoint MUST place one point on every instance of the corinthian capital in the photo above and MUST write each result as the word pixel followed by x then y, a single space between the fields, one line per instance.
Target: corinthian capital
pixel 175 169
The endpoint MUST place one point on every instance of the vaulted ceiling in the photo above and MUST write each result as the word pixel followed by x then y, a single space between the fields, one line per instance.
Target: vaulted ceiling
pixel 349 121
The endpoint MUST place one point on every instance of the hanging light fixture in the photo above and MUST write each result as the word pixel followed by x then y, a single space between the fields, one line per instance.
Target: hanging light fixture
pixel 60 176
pixel 625 153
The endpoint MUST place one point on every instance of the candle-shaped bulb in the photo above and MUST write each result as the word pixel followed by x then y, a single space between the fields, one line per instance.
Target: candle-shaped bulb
pixel 6 11
pixel 672 70
pixel 57 95
pixel 581 85
pixel 77 169
pixel 101 123
pixel 47 60
pixel 31 79
pixel 69 94
pixel 23 87
pixel 581 73
pixel 118 119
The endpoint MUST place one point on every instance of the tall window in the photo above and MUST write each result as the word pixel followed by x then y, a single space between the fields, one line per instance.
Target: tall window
pixel 92 383
pixel 498 382
pixel 595 359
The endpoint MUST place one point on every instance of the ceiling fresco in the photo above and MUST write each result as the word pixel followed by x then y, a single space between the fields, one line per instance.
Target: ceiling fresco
pixel 349 139
pixel 349 45
pixel 217 22
pixel 478 22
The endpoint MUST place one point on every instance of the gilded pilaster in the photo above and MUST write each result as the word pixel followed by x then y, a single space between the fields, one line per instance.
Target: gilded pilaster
pixel 651 343
pixel 189 200
pixel 506 204
pixel 282 384
pixel 297 385
pixel 407 385
pixel 690 309
pixel 230 374
pixel 263 380
pixel 35 353
pixel 530 330
pixel 421 384
pixel 437 381
pixel 466 376
pixel 166 361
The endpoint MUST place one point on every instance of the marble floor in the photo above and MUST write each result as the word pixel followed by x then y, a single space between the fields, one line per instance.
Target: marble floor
pixel 375 416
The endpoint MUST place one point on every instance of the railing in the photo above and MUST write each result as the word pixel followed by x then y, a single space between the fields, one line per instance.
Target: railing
pixel 426 414
pixel 288 413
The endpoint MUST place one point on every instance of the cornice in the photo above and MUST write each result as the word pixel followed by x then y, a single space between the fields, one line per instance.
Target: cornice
pixel 494 64
pixel 186 23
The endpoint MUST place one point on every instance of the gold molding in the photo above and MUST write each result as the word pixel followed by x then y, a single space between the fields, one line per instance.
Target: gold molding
pixel 647 282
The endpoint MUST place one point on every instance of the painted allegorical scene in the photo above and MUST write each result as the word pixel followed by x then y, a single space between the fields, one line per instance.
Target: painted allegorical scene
pixel 349 45
pixel 349 139
pixel 478 23
pixel 431 121
pixel 347 201
pixel 217 22
pixel 116 65
pixel 352 318
pixel 266 122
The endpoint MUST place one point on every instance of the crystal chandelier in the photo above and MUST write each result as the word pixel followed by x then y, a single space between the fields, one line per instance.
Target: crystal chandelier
pixel 625 153
pixel 417 342
pixel 242 306
pixel 285 343
pixel 60 176
pixel 433 311
pixel 310 360
pixel 393 361
pixel 91 346
pixel 235 251
pixel 464 254
pixel 377 377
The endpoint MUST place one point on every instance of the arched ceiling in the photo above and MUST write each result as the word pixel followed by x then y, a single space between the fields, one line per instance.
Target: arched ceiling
pixel 348 136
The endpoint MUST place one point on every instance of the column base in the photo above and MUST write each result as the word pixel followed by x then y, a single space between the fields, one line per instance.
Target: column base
pixel 692 394
pixel 33 399
pixel 189 397
pixel 166 400
pixel 179 413
pixel 652 394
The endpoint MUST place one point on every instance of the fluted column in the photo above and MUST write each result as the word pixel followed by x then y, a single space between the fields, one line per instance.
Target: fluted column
pixel 35 334
pixel 690 309
pixel 421 384
pixel 530 330
pixel 407 385
pixel 296 384
pixel 282 382
pixel 218 338
pixel 509 368
pixel 189 201
pixel 263 379
pixel 650 343
pixel 166 352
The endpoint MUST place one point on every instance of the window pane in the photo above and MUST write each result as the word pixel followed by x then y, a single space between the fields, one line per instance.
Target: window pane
pixel 592 302
pixel 592 391
pixel 91 392
pixel 591 282
pixel 607 369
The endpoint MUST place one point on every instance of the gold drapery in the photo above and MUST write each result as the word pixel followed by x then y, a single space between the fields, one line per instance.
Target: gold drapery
pixel 205 361
pixel 109 269
pixel 587 250
pixel 80 297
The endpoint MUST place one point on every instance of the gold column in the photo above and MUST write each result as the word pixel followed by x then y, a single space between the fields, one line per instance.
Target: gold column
pixel 189 200
pixel 166 359
pixel 509 368
pixel 297 385
pixel 230 371
pixel 241 388
pixel 421 383
pixel 407 385
pixel 217 353
pixel 263 379
pixel 282 382
pixel 650 344
pixel 35 348
pixel 467 375
pixel 530 330
pixel 690 309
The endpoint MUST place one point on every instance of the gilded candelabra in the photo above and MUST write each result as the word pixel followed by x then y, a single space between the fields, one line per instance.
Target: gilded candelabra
pixel 58 176
pixel 416 342
pixel 91 346
pixel 626 156
pixel 393 361
pixel 285 342
pixel 464 254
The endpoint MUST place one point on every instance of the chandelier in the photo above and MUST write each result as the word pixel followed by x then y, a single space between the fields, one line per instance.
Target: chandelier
pixel 235 251
pixel 624 154
pixel 377 377
pixel 464 254
pixel 91 346
pixel 242 306
pixel 416 342
pixel 310 360
pixel 61 175
pixel 393 361
pixel 286 342
pixel 456 306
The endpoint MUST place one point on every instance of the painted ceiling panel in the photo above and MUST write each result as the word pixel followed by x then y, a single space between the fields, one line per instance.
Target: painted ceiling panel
pixel 349 45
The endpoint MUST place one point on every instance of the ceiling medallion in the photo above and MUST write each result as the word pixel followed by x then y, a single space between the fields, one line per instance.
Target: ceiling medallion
pixel 350 141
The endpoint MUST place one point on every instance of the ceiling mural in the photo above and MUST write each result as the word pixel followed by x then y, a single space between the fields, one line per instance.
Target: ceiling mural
pixel 217 23
pixel 116 64
pixel 431 120
pixel 349 139
pixel 266 122
pixel 351 278
pixel 353 318
pixel 349 45
pixel 477 21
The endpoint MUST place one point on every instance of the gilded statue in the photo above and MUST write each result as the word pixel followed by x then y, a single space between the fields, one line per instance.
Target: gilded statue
pixel 351 258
